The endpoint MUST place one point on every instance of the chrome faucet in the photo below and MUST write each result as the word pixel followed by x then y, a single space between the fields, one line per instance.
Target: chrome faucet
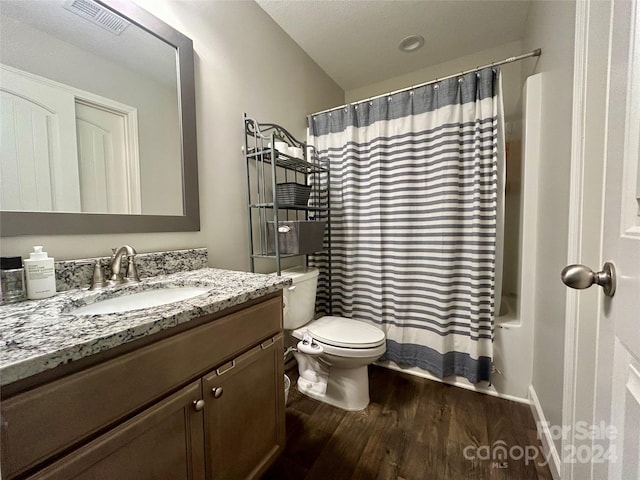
pixel 132 275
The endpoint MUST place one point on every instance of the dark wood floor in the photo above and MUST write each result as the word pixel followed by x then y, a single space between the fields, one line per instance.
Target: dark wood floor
pixel 413 429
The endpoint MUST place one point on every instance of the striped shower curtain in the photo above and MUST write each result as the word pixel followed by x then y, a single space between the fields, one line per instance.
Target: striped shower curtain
pixel 414 198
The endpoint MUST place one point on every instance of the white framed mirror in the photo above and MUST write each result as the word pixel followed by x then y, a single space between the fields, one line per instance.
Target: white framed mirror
pixel 98 120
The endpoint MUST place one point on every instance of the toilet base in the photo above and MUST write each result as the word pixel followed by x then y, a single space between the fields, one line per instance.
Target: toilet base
pixel 347 388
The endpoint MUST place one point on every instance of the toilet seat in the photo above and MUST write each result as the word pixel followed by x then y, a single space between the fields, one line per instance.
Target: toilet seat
pixel 347 352
pixel 344 333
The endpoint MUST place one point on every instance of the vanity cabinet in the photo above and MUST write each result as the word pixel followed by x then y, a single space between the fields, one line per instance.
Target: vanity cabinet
pixel 206 403
pixel 164 441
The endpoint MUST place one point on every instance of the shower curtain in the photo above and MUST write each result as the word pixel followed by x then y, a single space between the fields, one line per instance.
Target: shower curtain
pixel 415 194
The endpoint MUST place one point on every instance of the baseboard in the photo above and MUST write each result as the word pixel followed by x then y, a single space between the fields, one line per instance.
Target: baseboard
pixel 548 446
pixel 455 381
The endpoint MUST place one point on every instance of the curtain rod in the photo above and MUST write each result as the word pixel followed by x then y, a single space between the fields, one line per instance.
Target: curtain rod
pixel 534 53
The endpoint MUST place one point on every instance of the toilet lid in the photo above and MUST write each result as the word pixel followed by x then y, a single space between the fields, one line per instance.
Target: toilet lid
pixel 345 332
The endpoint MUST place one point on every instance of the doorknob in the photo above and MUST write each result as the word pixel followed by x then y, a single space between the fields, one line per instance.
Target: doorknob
pixel 581 276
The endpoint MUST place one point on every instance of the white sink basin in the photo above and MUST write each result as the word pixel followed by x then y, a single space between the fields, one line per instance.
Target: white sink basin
pixel 136 301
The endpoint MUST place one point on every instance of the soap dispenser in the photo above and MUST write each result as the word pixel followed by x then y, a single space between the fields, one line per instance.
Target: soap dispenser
pixel 40 274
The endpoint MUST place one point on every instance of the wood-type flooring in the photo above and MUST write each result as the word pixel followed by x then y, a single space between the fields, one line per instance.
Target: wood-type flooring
pixel 413 429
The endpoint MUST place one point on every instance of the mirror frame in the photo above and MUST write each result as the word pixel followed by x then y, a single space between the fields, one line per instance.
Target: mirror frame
pixel 54 223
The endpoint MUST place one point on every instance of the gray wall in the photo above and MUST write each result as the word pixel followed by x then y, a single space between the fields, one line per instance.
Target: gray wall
pixel 243 63
pixel 551 26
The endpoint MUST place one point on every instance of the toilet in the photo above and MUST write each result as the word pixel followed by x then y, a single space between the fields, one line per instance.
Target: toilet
pixel 332 352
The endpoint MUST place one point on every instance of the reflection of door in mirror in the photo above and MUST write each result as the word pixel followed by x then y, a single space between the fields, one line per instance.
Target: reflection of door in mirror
pixel 65 150
pixel 39 166
pixel 109 171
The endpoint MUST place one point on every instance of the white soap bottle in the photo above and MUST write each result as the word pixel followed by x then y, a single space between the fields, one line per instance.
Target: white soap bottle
pixel 40 274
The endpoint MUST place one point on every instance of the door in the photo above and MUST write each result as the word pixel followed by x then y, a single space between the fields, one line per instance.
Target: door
pixel 164 441
pixel 618 384
pixel 605 379
pixel 242 446
pixel 109 171
pixel 38 159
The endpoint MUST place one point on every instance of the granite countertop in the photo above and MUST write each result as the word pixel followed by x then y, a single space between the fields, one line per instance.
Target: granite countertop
pixel 37 335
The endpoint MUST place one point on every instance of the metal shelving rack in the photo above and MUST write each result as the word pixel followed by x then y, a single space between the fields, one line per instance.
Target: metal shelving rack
pixel 265 168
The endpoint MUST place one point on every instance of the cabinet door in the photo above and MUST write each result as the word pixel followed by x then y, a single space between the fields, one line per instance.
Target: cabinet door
pixel 165 441
pixel 244 414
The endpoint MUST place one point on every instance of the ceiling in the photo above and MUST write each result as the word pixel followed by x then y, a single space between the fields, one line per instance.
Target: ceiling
pixel 356 41
pixel 135 48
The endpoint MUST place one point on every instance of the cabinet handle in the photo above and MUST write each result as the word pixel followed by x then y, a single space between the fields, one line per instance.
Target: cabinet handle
pixel 198 405
pixel 222 372
pixel 217 392
pixel 267 344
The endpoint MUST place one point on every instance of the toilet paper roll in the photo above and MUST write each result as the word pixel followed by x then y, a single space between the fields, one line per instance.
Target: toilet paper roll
pixel 296 152
pixel 282 147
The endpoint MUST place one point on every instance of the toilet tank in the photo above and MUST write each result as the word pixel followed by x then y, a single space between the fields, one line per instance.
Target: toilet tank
pixel 300 298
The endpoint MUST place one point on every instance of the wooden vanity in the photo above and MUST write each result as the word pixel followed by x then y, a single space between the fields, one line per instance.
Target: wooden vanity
pixel 202 400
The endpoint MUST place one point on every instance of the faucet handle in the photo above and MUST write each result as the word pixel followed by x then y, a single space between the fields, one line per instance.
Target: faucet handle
pixel 132 272
pixel 97 280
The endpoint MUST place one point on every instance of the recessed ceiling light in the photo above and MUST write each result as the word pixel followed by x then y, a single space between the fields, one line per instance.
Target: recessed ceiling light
pixel 411 43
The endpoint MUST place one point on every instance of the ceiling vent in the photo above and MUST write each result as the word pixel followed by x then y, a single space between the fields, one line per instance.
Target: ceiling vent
pixel 98 14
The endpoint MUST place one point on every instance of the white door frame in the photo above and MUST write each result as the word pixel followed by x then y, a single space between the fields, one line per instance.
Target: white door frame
pixel 576 230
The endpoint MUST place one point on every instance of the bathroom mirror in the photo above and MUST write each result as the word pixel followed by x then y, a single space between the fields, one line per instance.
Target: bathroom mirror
pixel 98 120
